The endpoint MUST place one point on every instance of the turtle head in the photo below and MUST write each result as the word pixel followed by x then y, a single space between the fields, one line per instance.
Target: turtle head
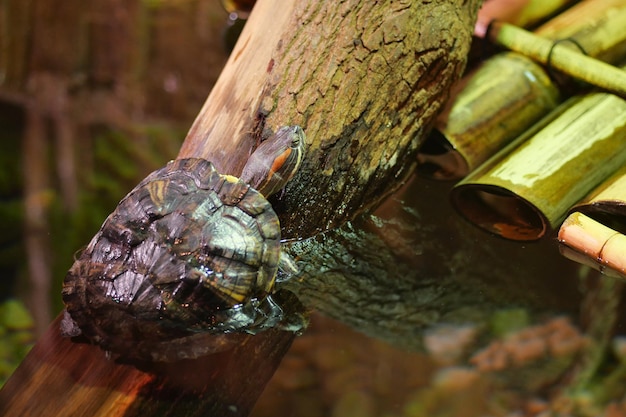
pixel 275 161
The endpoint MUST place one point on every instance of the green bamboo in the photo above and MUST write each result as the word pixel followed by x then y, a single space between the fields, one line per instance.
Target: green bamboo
pixel 525 190
pixel 607 201
pixel 538 10
pixel 562 57
pixel 494 103
pixel 596 25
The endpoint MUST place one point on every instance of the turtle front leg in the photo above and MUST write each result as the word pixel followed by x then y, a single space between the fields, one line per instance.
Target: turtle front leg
pixel 258 315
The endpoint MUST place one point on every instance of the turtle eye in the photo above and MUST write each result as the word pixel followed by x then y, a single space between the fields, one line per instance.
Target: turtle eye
pixel 295 142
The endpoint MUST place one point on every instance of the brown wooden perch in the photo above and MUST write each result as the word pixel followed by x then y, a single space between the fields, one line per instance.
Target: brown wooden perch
pixel 364 80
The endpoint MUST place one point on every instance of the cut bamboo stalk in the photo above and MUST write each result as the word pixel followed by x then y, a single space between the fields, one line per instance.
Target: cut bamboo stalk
pixel 595 226
pixel 607 201
pixel 560 56
pixel 490 107
pixel 478 121
pixel 596 25
pixel 594 244
pixel 525 190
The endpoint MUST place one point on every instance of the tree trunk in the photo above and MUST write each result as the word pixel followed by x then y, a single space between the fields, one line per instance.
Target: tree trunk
pixel 364 80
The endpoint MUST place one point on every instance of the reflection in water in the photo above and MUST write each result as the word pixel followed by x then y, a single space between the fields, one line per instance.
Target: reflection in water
pixel 504 327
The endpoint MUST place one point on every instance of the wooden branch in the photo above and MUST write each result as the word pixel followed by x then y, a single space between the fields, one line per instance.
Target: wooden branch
pixel 62 378
pixel 365 80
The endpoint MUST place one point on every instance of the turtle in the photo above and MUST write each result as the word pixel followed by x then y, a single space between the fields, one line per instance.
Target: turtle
pixel 187 258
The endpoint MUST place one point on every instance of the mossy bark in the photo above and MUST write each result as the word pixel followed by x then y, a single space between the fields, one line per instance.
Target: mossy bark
pixel 363 79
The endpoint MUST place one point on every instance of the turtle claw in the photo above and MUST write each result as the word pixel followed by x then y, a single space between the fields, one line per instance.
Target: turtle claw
pixel 271 314
pixel 69 328
pixel 287 268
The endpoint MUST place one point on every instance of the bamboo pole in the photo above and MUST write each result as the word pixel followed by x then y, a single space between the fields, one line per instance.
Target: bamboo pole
pixel 603 248
pixel 509 92
pixel 595 227
pixel 560 56
pixel 525 190
pixel 607 200
pixel 490 106
pixel 596 25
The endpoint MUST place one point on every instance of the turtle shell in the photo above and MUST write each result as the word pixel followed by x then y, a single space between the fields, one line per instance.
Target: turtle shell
pixel 181 252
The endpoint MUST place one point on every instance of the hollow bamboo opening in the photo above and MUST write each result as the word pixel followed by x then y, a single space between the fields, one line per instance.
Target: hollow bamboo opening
pixel 500 211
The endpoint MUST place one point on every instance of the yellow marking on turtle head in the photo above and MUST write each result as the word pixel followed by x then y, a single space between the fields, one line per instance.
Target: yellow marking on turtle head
pixel 230 178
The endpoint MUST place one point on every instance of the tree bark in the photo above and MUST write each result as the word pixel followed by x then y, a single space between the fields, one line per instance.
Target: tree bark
pixel 364 80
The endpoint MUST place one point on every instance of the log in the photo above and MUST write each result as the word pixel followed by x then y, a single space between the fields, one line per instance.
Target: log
pixel 70 379
pixel 365 80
